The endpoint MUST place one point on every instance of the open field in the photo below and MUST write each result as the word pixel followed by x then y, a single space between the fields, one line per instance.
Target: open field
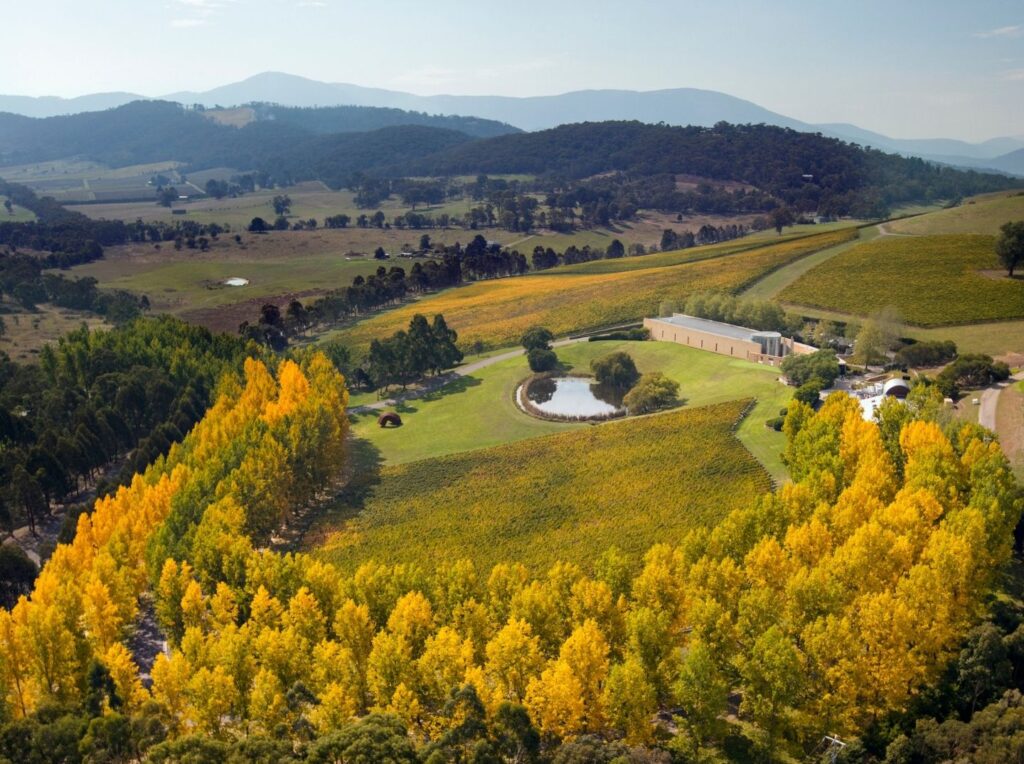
pixel 980 214
pixel 279 265
pixel 570 496
pixel 16 215
pixel 920 208
pixel 479 410
pixel 930 280
pixel 282 265
pixel 69 181
pixel 27 331
pixel 496 313
pixel 312 199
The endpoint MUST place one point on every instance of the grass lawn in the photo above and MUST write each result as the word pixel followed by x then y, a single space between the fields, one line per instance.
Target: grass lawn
pixel 479 410
pixel 930 280
pixel 570 496
pixel 981 214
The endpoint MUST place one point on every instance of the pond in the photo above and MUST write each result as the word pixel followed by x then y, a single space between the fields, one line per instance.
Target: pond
pixel 572 397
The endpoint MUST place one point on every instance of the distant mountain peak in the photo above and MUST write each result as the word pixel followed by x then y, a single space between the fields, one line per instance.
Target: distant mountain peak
pixel 675 106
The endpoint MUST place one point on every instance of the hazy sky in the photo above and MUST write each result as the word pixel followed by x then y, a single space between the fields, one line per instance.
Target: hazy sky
pixel 907 68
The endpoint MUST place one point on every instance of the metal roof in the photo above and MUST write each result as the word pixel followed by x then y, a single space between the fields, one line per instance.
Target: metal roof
pixel 715 327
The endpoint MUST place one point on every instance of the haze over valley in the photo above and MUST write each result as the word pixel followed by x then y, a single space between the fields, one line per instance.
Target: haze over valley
pixel 623 384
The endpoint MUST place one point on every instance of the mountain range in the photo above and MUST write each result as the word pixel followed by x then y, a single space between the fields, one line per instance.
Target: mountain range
pixel 679 106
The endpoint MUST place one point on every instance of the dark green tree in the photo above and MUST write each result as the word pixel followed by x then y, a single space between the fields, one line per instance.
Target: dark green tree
pixel 537 337
pixel 617 370
pixel 377 737
pixel 282 204
pixel 1010 246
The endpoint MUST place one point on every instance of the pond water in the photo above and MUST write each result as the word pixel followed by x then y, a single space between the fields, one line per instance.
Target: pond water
pixel 235 281
pixel 573 397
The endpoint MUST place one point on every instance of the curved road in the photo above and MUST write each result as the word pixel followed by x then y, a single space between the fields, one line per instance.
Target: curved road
pixel 990 401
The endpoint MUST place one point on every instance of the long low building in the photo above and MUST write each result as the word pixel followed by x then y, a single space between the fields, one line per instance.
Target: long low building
pixel 725 339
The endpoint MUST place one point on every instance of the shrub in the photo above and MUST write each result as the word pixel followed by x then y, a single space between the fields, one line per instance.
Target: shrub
pixel 930 353
pixel 971 370
pixel 536 337
pixel 627 335
pixel 810 391
pixel 821 364
pixel 654 391
pixel 616 370
pixel 775 423
pixel 541 359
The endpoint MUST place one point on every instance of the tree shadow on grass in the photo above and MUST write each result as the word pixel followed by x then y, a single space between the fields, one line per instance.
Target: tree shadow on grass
pixel 456 386
pixel 366 462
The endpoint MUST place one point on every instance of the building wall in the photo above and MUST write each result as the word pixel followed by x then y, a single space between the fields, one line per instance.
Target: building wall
pixel 714 343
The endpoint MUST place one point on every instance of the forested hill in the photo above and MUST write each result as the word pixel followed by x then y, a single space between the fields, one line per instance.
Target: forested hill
pixel 806 170
pixel 352 119
pixel 156 131
pixel 781 161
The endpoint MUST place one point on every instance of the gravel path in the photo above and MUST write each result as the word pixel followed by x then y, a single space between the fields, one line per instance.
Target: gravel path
pixel 990 402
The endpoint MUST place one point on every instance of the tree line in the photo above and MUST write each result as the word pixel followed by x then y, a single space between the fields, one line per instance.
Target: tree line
pixel 98 397
pixel 408 356
pixel 23 278
pixel 455 265
pixel 786 614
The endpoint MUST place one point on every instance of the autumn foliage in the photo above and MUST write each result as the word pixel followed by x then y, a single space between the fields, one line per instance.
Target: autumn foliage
pixel 822 606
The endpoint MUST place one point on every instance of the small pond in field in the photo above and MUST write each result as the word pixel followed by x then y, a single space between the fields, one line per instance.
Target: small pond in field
pixel 572 397
pixel 236 281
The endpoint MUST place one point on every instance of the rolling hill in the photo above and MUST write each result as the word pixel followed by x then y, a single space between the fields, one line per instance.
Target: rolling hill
pixel 153 131
pixel 806 170
pixel 676 106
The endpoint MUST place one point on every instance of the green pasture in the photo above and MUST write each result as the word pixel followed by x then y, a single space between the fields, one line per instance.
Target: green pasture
pixel 479 410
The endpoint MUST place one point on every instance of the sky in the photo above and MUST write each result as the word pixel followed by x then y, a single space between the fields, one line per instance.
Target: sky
pixel 906 68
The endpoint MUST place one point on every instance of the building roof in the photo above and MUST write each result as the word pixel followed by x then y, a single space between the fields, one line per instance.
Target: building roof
pixel 895 384
pixel 716 327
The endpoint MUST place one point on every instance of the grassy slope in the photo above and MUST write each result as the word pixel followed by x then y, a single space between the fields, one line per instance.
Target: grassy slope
pixel 770 286
pixel 981 214
pixel 479 410
pixel 25 332
pixel 16 215
pixel 931 280
pixel 496 313
pixel 570 496
pixel 275 263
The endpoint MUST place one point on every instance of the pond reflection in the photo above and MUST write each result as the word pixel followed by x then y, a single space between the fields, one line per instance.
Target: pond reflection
pixel 573 397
